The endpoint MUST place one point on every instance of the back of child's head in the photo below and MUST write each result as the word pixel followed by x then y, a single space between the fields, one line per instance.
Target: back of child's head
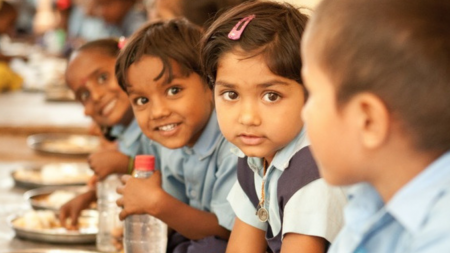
pixel 174 40
pixel 107 46
pixel 397 50
pixel 199 12
pixel 274 33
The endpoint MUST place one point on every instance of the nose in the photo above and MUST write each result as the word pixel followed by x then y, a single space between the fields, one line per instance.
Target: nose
pixel 249 114
pixel 96 91
pixel 159 109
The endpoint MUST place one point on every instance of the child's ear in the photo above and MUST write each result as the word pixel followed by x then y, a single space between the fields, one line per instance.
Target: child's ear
pixel 372 119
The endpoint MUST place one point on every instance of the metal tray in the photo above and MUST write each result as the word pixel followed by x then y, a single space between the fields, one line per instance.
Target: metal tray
pixel 63 144
pixel 30 176
pixel 38 198
pixel 85 235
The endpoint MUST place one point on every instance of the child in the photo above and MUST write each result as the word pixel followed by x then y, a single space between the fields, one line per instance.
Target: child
pixel 123 17
pixel 199 12
pixel 90 74
pixel 160 70
pixel 251 56
pixel 378 73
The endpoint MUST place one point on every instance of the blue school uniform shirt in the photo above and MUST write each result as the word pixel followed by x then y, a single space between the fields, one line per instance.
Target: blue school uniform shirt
pixel 86 27
pixel 132 141
pixel 315 209
pixel 203 175
pixel 132 21
pixel 416 219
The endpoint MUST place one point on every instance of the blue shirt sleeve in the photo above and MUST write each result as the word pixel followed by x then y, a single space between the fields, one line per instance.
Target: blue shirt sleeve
pixel 225 178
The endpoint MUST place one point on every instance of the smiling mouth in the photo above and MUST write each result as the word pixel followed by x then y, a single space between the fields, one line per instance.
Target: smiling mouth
pixel 109 107
pixel 167 128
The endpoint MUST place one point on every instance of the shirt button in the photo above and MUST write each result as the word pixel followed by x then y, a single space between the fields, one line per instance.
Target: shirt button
pixel 193 194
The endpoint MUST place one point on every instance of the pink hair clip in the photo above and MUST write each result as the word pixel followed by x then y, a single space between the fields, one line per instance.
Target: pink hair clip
pixel 237 30
pixel 122 42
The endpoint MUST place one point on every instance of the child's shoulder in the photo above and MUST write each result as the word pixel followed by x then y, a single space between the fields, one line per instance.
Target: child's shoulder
pixel 435 232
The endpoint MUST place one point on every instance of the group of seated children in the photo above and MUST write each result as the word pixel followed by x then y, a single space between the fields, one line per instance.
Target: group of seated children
pixel 253 120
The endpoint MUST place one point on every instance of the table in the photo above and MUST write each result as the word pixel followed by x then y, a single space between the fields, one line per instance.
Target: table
pixel 23 114
pixel 13 202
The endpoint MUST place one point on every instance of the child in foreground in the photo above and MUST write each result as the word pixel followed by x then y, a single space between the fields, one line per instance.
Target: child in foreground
pixel 378 116
pixel 160 70
pixel 252 56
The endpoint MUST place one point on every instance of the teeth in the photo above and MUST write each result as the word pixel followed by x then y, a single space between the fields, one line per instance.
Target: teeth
pixel 167 127
pixel 109 107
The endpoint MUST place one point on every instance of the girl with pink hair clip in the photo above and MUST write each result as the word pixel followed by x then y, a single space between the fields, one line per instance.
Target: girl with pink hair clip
pixel 251 55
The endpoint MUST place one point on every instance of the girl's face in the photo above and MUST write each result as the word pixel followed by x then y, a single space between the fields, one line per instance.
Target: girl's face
pixel 258 111
pixel 173 114
pixel 90 74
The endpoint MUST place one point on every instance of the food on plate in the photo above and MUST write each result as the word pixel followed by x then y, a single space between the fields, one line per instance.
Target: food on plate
pixel 56 173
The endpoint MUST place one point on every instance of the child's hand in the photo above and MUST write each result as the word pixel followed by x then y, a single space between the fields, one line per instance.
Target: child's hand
pixel 106 162
pixel 117 235
pixel 92 182
pixel 140 195
pixel 73 208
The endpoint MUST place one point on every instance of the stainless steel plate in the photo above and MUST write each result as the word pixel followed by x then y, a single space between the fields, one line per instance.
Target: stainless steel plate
pixel 41 198
pixel 64 144
pixel 52 174
pixel 85 235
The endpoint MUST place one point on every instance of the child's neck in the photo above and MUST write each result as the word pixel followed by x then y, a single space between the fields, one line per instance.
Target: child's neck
pixel 127 118
pixel 397 169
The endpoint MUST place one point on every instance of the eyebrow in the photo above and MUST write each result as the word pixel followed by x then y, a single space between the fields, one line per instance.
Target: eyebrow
pixel 93 74
pixel 266 84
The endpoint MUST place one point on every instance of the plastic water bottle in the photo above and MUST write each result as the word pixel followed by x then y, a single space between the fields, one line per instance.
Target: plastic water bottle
pixel 108 218
pixel 144 233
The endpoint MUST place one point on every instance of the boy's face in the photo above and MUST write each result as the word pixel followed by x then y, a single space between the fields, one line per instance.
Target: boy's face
pixel 91 76
pixel 173 114
pixel 111 11
pixel 331 131
pixel 258 111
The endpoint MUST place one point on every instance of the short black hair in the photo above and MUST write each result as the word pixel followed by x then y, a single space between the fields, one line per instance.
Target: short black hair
pixel 399 51
pixel 108 46
pixel 176 39
pixel 274 33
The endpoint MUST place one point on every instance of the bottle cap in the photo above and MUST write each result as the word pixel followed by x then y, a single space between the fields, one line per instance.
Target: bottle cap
pixel 144 163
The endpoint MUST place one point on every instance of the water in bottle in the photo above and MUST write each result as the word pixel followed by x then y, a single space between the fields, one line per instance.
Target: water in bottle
pixel 144 233
pixel 108 211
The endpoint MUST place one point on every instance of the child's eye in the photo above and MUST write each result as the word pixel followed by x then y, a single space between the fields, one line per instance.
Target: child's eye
pixel 271 97
pixel 141 100
pixel 102 78
pixel 173 91
pixel 230 95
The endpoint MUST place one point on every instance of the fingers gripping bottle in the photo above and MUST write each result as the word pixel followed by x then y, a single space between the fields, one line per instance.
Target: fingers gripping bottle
pixel 144 233
pixel 108 211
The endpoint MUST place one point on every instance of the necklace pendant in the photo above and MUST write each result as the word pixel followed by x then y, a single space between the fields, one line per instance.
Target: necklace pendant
pixel 263 214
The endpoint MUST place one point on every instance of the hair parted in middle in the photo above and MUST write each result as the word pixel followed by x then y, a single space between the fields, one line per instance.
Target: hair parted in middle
pixel 174 40
pixel 274 33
